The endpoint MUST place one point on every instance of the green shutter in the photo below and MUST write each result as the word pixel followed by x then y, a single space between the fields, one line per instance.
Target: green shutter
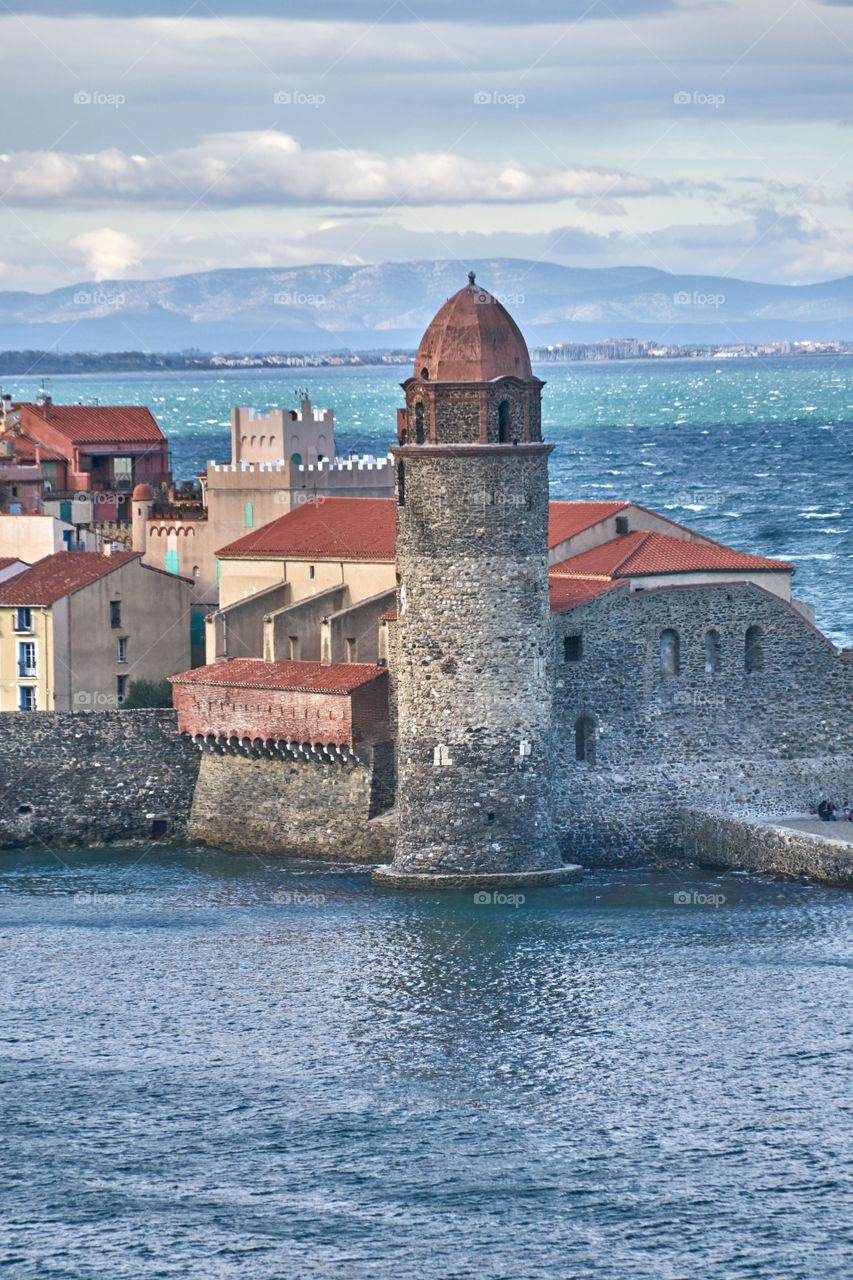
pixel 65 511
pixel 250 516
pixel 197 628
pixel 172 561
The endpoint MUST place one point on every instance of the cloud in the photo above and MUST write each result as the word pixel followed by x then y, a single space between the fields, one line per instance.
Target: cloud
pixel 267 167
pixel 108 253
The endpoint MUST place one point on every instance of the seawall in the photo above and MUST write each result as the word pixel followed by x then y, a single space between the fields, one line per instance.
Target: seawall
pixel 719 841
pixel 93 777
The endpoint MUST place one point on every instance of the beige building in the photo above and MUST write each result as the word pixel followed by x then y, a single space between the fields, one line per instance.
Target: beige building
pixel 30 537
pixel 302 436
pixel 77 627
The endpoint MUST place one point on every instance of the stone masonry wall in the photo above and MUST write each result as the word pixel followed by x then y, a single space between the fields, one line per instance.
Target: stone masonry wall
pixel 90 777
pixel 749 846
pixel 295 808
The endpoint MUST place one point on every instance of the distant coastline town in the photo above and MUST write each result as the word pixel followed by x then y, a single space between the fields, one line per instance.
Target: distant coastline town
pixel 22 363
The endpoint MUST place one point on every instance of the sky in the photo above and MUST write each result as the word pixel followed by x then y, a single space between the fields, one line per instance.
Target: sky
pixel 711 137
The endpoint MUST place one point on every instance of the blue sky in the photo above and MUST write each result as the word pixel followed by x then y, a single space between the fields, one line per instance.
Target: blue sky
pixel 708 137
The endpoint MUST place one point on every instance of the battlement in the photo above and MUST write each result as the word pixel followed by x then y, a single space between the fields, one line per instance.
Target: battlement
pixel 367 462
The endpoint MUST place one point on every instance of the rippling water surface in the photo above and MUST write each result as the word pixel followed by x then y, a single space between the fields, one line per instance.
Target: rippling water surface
pixel 758 454
pixel 217 1068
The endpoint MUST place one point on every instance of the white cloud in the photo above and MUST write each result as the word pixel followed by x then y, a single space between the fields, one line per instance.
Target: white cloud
pixel 108 253
pixel 267 167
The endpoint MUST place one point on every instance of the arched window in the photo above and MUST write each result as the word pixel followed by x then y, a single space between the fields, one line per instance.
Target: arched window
pixel 670 655
pixel 712 652
pixel 585 739
pixel 296 459
pixel 425 375
pixel 401 483
pixel 503 422
pixel 419 423
pixel 753 649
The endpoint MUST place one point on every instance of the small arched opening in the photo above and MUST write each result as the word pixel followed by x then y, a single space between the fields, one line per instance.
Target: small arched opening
pixel 425 375
pixel 585 739
pixel 753 649
pixel 712 652
pixel 670 652
pixel 401 483
pixel 419 422
pixel 503 422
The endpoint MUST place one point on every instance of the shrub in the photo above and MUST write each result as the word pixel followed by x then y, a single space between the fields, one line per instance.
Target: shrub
pixel 148 693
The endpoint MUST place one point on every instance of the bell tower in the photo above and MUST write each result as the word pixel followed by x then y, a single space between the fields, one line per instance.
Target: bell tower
pixel 471 656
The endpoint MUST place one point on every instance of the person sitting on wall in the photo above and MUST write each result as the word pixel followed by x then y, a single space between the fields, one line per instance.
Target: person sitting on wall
pixel 823 810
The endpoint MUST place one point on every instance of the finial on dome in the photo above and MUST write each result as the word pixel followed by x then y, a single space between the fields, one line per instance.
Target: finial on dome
pixel 471 277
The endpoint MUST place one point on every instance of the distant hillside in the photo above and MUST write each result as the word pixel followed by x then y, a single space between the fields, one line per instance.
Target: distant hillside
pixel 328 308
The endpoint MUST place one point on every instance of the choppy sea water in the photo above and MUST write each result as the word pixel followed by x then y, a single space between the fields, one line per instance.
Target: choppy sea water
pixel 213 1067
pixel 758 454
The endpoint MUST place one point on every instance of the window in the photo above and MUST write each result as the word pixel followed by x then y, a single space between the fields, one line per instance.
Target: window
pixel 296 459
pixel 352 649
pixel 425 375
pixel 670 652
pixel 585 739
pixel 196 571
pixel 172 565
pixel 27 698
pixel 572 649
pixel 401 483
pixel 123 473
pixel 249 515
pixel 310 571
pixel 419 423
pixel 23 618
pixel 26 658
pixel 293 648
pixel 115 611
pixel 622 526
pixel 503 422
pixel 753 649
pixel 122 649
pixel 712 652
pixel 121 688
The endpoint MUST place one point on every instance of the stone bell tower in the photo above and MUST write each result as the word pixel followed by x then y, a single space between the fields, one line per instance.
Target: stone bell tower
pixel 472 643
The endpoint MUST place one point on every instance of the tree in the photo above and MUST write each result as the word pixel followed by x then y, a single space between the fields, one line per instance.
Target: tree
pixel 148 693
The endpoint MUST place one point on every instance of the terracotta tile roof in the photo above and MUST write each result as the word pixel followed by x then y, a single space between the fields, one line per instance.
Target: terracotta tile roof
pixel 566 519
pixel 364 529
pixel 567 593
pixel 641 552
pixel 390 616
pixel 339 529
pixel 93 424
pixel 25 448
pixel 59 575
pixel 305 677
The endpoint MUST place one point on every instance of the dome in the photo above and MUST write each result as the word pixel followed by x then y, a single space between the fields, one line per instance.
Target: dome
pixel 473 338
pixel 142 493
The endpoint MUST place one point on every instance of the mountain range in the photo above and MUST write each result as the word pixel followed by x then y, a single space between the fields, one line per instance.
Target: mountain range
pixel 387 306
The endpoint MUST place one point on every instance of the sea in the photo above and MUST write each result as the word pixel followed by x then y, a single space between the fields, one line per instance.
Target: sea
pixel 220 1067
pixel 757 453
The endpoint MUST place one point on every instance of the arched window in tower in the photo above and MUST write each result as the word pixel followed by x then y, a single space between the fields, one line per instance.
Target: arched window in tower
pixel 503 422
pixel 712 653
pixel 419 422
pixel 401 483
pixel 670 652
pixel 425 375
pixel 585 739
pixel 753 649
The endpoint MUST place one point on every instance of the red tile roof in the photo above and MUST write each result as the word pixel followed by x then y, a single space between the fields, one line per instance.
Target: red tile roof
pixel 567 593
pixel 566 519
pixel 59 575
pixel 364 529
pixel 25 448
pixel 338 529
pixel 641 552
pixel 305 677
pixel 93 424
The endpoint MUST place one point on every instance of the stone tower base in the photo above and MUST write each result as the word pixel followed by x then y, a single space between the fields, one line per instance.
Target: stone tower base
pixel 394 879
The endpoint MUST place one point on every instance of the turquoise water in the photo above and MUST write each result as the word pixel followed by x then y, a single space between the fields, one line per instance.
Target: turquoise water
pixel 218 1068
pixel 758 454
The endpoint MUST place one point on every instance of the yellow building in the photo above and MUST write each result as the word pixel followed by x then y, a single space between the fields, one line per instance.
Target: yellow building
pixel 77 627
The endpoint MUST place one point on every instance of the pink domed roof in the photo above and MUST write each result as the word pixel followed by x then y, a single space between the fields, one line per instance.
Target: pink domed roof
pixel 142 493
pixel 473 338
